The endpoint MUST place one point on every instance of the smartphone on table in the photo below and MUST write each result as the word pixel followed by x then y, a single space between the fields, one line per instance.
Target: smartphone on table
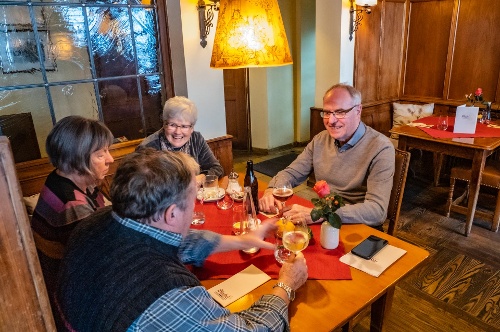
pixel 369 247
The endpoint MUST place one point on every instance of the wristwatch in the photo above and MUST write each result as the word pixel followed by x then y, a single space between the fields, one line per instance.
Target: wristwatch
pixel 289 291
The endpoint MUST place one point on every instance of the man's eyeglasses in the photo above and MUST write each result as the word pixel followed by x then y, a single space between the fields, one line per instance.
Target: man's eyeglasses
pixel 173 126
pixel 339 114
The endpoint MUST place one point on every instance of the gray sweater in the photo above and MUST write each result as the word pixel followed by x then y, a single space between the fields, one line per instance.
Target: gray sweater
pixel 362 175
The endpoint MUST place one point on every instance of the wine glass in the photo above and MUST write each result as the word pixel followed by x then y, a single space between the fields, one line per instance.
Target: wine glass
pixel 296 239
pixel 282 191
pixel 281 254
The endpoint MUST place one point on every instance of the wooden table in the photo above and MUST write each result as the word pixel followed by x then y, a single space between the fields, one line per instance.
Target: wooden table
pixel 323 305
pixel 476 149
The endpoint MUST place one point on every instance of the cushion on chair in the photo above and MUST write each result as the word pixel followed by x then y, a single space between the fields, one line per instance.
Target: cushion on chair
pixel 406 113
pixel 490 177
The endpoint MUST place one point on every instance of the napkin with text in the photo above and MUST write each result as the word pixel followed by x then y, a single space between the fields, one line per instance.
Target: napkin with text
pixel 378 264
pixel 238 285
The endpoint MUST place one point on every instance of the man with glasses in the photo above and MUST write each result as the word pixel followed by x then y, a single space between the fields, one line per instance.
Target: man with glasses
pixel 179 117
pixel 355 160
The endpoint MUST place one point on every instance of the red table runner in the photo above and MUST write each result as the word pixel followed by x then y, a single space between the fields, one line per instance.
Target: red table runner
pixel 322 263
pixel 482 130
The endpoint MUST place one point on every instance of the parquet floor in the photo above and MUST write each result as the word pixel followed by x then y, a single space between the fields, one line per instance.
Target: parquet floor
pixel 458 287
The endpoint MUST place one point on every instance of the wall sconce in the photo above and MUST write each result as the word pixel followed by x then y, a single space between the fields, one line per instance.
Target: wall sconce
pixel 250 33
pixel 205 17
pixel 354 23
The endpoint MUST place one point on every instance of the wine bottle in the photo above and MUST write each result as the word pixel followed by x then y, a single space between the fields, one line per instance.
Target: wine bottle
pixel 251 181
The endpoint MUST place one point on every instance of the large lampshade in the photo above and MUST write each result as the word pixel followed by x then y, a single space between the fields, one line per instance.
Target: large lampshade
pixel 250 33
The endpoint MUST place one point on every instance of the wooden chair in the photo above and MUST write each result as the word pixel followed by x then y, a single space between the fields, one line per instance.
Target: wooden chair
pixel 402 162
pixel 490 177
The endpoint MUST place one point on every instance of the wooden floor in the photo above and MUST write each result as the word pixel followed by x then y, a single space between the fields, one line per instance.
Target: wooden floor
pixel 458 287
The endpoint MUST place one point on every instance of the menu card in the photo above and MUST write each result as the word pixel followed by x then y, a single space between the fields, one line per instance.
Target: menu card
pixel 375 266
pixel 466 120
pixel 238 285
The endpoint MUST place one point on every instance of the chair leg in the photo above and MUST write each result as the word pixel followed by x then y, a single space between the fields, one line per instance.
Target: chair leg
pixel 496 217
pixel 450 197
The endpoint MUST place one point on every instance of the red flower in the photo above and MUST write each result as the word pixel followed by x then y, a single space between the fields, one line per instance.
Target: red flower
pixel 478 92
pixel 321 188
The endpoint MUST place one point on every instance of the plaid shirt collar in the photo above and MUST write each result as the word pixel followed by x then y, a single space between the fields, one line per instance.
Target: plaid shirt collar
pixel 170 238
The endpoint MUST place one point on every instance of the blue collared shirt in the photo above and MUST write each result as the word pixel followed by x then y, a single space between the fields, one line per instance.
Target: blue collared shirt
pixel 360 131
pixel 193 308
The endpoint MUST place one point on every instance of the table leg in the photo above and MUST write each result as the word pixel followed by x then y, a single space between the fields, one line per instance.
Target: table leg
pixel 475 181
pixel 379 308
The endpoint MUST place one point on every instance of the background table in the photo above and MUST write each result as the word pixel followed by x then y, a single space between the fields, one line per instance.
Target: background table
pixel 475 149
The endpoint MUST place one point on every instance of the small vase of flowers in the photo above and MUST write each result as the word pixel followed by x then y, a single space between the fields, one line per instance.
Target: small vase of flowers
pixel 485 114
pixel 325 207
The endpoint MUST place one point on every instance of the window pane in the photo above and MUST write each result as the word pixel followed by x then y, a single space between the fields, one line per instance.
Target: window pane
pixel 111 41
pixel 145 32
pixel 23 134
pixel 121 108
pixel 151 99
pixel 74 99
pixel 69 44
pixel 19 60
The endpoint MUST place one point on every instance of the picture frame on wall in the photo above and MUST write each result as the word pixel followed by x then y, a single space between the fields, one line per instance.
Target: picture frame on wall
pixel 19 51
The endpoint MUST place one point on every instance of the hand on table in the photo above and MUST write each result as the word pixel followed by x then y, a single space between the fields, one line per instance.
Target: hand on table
pixel 267 203
pixel 200 178
pixel 256 237
pixel 298 212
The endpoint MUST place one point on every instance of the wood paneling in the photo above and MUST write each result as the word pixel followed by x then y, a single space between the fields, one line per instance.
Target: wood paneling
pixel 476 59
pixel 427 51
pixel 23 299
pixel 367 63
pixel 426 54
pixel 391 50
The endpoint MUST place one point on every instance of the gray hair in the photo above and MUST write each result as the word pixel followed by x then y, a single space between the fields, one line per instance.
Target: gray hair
pixel 353 92
pixel 72 140
pixel 180 107
pixel 147 182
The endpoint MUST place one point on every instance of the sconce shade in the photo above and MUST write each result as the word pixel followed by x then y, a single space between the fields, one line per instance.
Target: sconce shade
pixel 250 33
pixel 366 3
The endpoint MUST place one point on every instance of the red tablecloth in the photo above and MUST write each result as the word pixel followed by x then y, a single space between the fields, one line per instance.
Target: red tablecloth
pixel 322 264
pixel 482 130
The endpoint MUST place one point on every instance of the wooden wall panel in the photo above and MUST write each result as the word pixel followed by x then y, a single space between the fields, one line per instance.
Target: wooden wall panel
pixel 476 56
pixel 426 54
pixel 391 50
pixel 24 304
pixel 367 59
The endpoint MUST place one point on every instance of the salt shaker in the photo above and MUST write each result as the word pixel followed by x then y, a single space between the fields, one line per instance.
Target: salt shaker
pixel 233 186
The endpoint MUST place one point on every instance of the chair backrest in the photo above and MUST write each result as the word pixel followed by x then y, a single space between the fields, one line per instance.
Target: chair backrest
pixel 402 161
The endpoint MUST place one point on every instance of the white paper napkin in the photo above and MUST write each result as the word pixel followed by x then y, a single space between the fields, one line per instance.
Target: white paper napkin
pixel 375 266
pixel 420 124
pixel 238 285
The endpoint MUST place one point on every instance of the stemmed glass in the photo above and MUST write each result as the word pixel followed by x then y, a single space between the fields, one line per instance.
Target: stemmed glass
pixel 282 191
pixel 280 252
pixel 296 239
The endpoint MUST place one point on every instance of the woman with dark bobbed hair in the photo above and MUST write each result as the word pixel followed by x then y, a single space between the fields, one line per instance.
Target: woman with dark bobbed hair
pixel 78 149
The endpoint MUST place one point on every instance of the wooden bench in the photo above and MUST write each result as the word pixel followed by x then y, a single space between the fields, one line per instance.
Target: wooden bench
pixel 32 174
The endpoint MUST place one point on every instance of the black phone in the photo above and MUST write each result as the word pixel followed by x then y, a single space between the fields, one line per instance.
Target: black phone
pixel 369 247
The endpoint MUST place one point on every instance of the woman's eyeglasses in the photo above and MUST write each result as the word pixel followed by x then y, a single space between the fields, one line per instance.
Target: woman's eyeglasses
pixel 339 114
pixel 173 126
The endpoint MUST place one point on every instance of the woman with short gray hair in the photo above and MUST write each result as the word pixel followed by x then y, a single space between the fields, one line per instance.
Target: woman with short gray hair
pixel 179 117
